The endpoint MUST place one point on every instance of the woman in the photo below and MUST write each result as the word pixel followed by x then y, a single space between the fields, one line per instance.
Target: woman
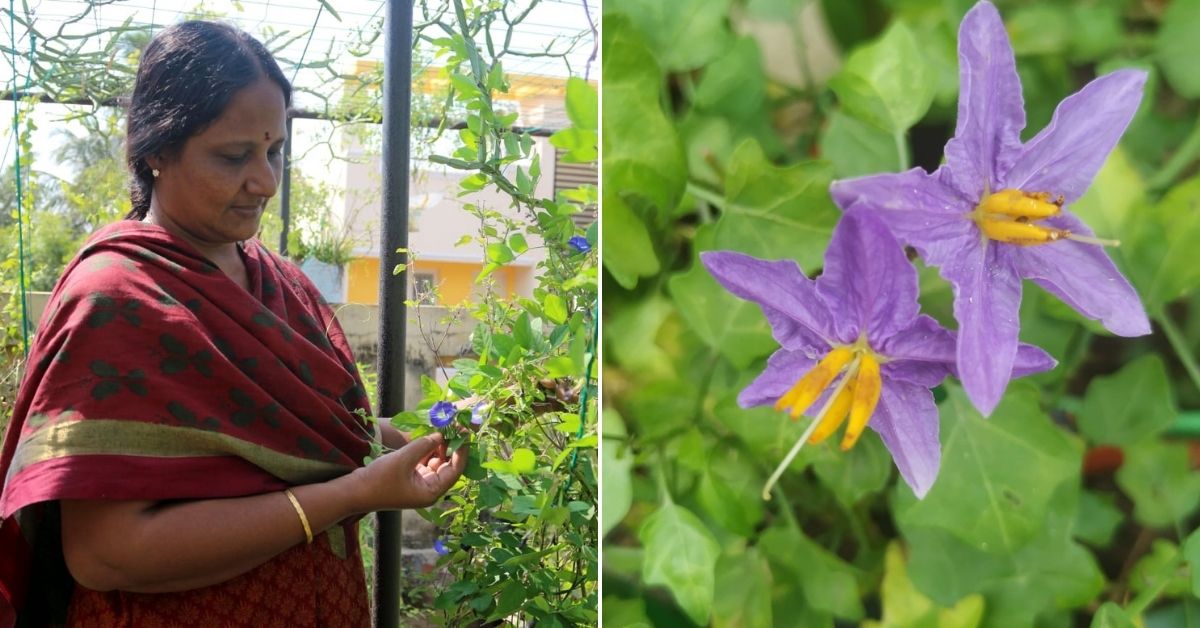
pixel 188 440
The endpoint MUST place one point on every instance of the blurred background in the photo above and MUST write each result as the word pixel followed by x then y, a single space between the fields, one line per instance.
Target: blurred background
pixel 1075 504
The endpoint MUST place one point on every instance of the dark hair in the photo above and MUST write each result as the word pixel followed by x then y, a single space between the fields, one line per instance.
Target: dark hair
pixel 186 77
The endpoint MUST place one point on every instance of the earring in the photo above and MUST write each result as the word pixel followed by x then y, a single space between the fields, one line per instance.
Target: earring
pixel 154 171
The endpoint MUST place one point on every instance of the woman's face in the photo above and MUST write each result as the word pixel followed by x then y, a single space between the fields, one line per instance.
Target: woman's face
pixel 214 191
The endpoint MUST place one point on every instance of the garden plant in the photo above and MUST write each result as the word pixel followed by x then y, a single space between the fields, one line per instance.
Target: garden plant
pixel 966 239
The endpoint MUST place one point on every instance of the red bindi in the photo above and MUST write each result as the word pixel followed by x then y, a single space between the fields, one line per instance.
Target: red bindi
pixel 266 136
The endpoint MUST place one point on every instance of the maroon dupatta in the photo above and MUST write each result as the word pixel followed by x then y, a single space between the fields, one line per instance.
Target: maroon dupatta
pixel 154 376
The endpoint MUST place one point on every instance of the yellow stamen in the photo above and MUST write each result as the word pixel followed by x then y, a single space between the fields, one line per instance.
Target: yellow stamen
pixel 806 391
pixel 1022 233
pixel 791 455
pixel 1018 204
pixel 836 416
pixel 1009 216
pixel 866 395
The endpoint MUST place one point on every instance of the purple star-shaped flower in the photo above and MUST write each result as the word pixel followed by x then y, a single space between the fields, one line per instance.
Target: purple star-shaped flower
pixel 993 214
pixel 442 413
pixel 854 342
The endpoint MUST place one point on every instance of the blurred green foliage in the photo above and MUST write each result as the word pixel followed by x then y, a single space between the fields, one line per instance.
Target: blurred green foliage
pixel 1076 502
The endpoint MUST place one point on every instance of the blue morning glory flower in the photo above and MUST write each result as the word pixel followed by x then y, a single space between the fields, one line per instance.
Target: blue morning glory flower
pixel 480 412
pixel 442 413
pixel 440 547
pixel 580 244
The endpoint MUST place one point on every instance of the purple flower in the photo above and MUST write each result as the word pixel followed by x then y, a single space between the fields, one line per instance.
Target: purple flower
pixel 993 214
pixel 580 244
pixel 480 412
pixel 442 413
pixel 440 547
pixel 854 343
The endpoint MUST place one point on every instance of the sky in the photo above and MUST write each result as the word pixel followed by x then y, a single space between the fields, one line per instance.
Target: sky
pixel 550 23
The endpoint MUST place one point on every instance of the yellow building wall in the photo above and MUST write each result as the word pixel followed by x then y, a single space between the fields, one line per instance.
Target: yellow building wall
pixel 455 280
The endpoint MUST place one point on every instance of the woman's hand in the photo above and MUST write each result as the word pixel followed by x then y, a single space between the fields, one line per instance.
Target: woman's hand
pixel 414 476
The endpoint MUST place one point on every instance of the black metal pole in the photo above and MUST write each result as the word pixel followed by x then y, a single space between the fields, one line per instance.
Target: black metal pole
pixel 397 90
pixel 285 191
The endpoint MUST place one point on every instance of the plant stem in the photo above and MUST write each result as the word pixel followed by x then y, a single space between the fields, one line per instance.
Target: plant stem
pixel 901 149
pixel 709 197
pixel 1179 344
pixel 1183 157
pixel 1149 595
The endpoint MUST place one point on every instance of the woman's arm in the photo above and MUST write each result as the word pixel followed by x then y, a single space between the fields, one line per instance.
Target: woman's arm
pixel 149 547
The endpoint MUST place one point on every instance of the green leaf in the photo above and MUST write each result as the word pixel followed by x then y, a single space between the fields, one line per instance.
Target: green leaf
pixel 1161 571
pixel 744 582
pixel 681 554
pixel 616 470
pixel 523 460
pixel 1049 572
pixel 579 145
pixel 773 212
pixel 1040 29
pixel 683 34
pixel 1191 553
pixel 499 253
pixel 734 84
pixel 730 490
pixel 829 584
pixel 734 327
pixel 998 475
pixel 509 601
pixel 1098 519
pixel 555 308
pixel 517 243
pixel 1161 255
pixel 1177 46
pixel 1110 615
pixel 1130 406
pixel 854 474
pixel 886 83
pixel 643 159
pixel 904 605
pixel 768 433
pixel 630 336
pixel 561 366
pixel 624 613
pixel 1160 479
pixel 856 148
pixel 582 104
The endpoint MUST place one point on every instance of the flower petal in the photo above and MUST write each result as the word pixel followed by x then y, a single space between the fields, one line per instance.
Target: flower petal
pixel 790 334
pixel 991 109
pixel 919 208
pixel 923 354
pixel 907 420
pixel 779 285
pixel 867 279
pixel 1066 155
pixel 784 367
pixel 924 339
pixel 1084 277
pixel 1030 360
pixel 987 300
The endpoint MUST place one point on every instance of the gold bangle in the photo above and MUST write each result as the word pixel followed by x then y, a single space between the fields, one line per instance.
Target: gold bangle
pixel 300 511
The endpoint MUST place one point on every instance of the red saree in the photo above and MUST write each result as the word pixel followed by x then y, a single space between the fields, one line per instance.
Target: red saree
pixel 154 376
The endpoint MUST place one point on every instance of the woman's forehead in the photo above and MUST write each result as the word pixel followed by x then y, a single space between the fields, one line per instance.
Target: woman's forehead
pixel 257 111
